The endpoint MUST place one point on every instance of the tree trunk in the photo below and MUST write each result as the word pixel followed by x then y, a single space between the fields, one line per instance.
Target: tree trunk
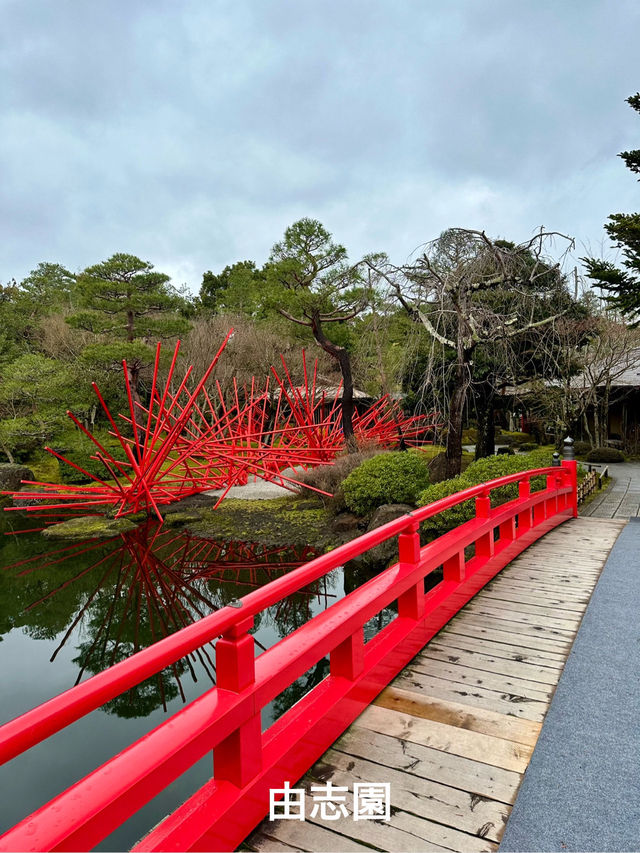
pixel 453 452
pixel 342 357
pixel 130 326
pixel 585 419
pixel 486 444
pixel 134 378
pixel 464 368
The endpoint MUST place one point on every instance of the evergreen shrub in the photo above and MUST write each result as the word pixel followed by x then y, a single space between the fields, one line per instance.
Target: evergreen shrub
pixel 396 477
pixel 480 471
pixel 605 454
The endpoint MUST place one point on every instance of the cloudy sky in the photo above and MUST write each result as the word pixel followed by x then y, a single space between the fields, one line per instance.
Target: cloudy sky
pixel 192 132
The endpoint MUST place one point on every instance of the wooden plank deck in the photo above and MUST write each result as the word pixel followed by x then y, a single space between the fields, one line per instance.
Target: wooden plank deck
pixel 453 734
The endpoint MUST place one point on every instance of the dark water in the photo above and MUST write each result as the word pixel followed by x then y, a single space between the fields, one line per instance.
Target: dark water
pixel 69 610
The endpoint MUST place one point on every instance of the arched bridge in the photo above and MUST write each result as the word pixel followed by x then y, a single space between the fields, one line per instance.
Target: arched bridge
pixel 449 725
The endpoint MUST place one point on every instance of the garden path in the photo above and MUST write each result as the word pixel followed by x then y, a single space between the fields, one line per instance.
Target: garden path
pixel 622 498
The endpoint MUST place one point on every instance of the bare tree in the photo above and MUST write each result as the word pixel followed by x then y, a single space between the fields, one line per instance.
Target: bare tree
pixel 584 361
pixel 469 291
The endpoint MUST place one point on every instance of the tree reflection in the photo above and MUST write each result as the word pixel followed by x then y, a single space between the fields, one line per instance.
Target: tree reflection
pixel 113 598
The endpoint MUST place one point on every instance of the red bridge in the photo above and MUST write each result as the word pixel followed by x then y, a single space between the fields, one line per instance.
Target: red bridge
pixel 226 720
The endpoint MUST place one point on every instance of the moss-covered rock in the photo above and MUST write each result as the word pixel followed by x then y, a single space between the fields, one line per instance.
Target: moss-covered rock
pixel 89 527
pixel 185 516
pixel 269 522
pixel 12 475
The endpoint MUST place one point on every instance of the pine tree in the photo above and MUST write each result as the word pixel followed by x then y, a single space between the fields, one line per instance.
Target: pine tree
pixel 621 285
pixel 128 306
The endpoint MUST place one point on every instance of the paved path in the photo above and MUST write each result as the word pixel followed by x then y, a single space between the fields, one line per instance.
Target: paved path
pixel 622 498
pixel 582 788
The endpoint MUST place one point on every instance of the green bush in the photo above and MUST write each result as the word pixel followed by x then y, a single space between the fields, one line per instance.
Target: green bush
pixel 79 449
pixel 480 471
pixel 515 439
pixel 605 454
pixel 386 478
pixel 528 446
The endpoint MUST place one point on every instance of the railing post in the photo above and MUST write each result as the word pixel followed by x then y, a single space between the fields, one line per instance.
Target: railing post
pixel 238 758
pixel 411 602
pixel 454 569
pixel 571 468
pixel 484 543
pixel 551 503
pixel 525 519
pixel 347 659
pixel 508 530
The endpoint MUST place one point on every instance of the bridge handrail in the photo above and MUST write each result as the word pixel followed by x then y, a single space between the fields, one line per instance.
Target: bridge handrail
pixel 34 726
pixel 245 685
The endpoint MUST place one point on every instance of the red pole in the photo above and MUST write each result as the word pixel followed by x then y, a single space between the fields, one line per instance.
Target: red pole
pixel 571 467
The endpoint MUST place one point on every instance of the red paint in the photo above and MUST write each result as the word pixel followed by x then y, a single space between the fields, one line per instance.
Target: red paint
pixel 226 719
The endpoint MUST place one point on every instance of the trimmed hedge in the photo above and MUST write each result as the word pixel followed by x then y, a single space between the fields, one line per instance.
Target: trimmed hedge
pixel 480 471
pixel 388 478
pixel 605 454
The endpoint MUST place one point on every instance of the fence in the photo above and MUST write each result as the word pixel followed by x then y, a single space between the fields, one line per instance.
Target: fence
pixel 226 721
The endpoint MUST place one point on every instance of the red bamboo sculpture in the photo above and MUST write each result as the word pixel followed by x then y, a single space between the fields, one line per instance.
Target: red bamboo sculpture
pixel 189 441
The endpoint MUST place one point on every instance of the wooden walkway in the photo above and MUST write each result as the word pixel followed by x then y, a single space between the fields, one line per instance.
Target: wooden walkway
pixel 453 734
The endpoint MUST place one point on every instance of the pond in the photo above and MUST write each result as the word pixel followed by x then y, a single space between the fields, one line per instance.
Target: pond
pixel 71 609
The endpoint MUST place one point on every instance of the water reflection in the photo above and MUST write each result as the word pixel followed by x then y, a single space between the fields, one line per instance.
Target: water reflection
pixel 109 599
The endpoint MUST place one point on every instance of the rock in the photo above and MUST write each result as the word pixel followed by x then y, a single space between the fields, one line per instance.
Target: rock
pixel 345 521
pixel 23 498
pixel 89 527
pixel 185 516
pixel 12 475
pixel 201 499
pixel 380 556
pixel 438 468
pixel 386 513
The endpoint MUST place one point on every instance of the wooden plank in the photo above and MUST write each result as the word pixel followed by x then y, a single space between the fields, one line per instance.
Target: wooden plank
pixel 260 843
pixel 504 703
pixel 513 613
pixel 530 603
pixel 479 747
pixel 383 836
pixel 548 574
pixel 305 836
pixel 428 800
pixel 487 663
pixel 510 651
pixel 444 767
pixel 552 559
pixel 462 716
pixel 472 677
pixel 552 638
pixel 546 604
pixel 454 840
pixel 506 623
pixel 547 590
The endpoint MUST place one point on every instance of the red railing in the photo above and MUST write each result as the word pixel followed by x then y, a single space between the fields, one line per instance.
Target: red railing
pixel 226 719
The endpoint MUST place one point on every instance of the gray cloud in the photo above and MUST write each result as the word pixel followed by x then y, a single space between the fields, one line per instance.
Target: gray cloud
pixel 193 133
